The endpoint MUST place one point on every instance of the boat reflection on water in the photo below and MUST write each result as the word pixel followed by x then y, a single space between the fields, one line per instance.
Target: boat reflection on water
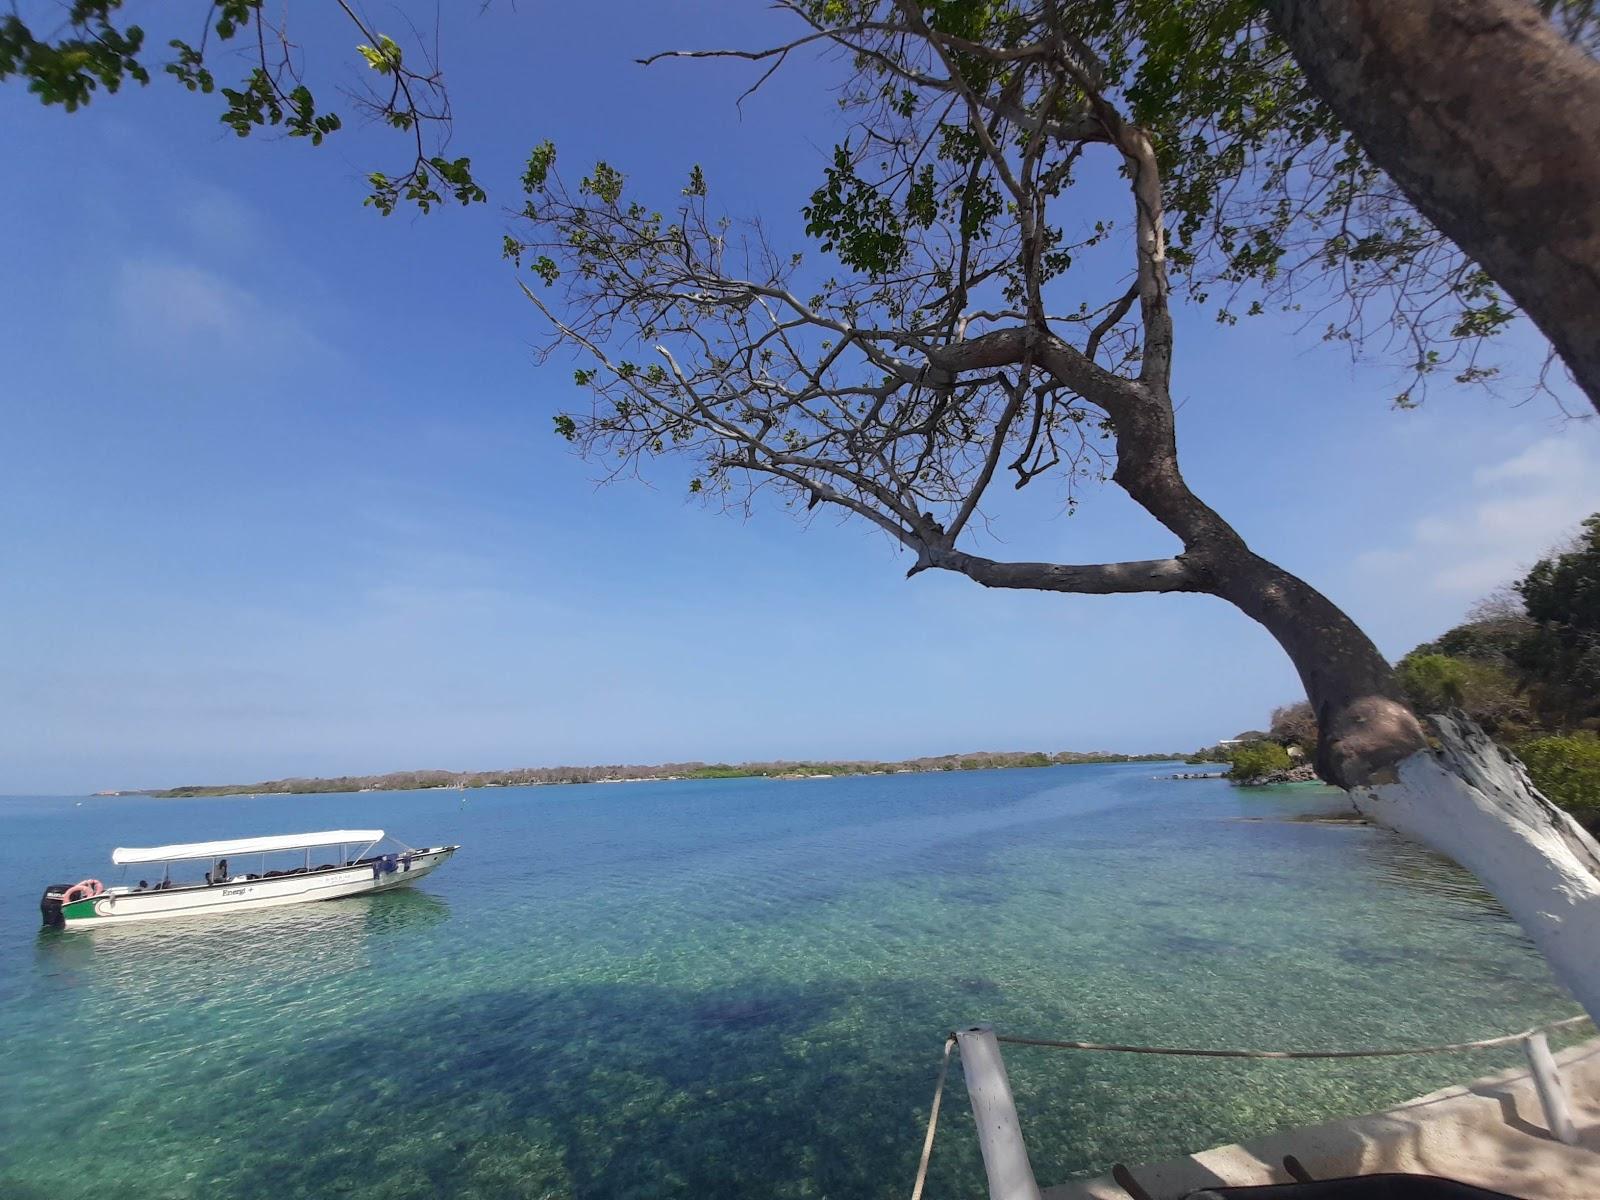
pixel 193 958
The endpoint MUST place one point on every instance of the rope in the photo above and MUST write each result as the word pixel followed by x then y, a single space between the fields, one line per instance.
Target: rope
pixel 1480 1044
pixel 1186 1052
pixel 933 1119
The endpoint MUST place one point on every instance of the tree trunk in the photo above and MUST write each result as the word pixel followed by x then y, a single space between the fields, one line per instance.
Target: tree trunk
pixel 1465 799
pixel 1486 119
pixel 1364 725
pixel 1474 803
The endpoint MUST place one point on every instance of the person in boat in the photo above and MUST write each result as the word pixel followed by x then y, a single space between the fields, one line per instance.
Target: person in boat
pixel 222 871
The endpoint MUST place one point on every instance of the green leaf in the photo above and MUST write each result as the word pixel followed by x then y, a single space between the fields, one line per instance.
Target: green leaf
pixel 540 161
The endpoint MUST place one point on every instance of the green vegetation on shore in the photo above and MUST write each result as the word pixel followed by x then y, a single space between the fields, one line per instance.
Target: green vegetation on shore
pixel 527 776
pixel 1256 760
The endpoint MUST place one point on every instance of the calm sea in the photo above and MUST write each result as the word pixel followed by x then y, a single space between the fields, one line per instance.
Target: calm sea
pixel 728 988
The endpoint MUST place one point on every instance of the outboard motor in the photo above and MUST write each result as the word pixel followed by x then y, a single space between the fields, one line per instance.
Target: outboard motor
pixel 50 905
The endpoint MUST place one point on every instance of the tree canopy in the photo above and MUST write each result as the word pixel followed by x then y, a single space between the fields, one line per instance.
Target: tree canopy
pixel 1269 203
pixel 1562 650
pixel 98 48
pixel 1020 187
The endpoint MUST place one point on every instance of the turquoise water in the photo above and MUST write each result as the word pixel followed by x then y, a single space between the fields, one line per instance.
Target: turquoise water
pixel 729 988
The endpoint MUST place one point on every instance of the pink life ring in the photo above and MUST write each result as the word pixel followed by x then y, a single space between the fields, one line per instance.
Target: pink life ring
pixel 82 890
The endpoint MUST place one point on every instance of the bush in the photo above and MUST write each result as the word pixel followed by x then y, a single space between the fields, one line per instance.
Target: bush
pixel 1491 641
pixel 1433 682
pixel 1257 759
pixel 1295 725
pixel 1487 693
pixel 1567 770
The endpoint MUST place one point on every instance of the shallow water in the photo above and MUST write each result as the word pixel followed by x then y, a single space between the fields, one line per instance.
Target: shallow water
pixel 729 988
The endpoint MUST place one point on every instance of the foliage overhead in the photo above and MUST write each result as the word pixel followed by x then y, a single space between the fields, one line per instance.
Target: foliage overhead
pixel 97 48
pixel 963 195
pixel 1270 203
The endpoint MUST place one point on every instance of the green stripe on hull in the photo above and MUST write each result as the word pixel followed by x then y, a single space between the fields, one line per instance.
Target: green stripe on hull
pixel 80 910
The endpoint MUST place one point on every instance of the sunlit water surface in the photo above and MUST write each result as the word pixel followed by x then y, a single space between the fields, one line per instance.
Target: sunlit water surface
pixel 729 988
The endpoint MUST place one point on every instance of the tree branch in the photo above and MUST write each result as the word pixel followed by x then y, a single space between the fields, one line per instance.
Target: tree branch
pixel 1097 579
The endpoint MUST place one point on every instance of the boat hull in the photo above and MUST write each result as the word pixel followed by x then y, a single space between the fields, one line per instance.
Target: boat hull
pixel 120 906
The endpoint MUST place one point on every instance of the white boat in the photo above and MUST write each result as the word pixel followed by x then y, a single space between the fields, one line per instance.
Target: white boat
pixel 225 889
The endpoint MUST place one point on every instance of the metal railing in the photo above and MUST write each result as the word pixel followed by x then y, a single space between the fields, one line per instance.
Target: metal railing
pixel 1005 1153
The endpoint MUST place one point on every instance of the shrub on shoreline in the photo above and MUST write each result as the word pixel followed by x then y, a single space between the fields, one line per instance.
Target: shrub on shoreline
pixel 1256 759
pixel 1567 770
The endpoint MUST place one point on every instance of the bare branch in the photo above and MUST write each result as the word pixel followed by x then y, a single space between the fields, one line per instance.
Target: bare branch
pixel 1099 579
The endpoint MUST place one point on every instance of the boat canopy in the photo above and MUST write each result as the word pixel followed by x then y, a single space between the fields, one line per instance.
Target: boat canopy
pixel 124 855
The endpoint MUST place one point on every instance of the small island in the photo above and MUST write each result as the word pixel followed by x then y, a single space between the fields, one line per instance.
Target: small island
pixel 404 781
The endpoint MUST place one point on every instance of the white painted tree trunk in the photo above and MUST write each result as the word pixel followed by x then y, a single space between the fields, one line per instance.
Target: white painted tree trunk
pixel 1475 803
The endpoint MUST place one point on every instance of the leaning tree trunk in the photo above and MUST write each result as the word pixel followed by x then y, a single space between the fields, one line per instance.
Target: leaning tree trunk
pixel 1470 800
pixel 1458 795
pixel 1453 790
pixel 1486 119
pixel 1364 725
pixel 1449 787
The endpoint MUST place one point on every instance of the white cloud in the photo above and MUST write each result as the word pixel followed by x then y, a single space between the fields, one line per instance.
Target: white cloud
pixel 170 307
pixel 1551 458
pixel 1519 508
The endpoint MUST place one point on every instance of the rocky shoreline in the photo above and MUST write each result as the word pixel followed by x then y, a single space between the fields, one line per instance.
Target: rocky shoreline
pixel 1300 773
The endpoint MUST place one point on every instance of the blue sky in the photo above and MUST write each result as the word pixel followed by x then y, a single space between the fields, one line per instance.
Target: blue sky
pixel 280 494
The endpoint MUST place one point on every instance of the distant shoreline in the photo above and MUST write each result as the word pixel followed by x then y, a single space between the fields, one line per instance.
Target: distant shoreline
pixel 409 781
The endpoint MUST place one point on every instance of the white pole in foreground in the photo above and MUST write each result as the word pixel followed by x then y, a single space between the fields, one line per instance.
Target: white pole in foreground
pixel 1005 1155
pixel 1552 1095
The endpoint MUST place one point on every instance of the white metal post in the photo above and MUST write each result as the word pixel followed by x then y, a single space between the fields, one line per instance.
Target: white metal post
pixel 1005 1154
pixel 1552 1094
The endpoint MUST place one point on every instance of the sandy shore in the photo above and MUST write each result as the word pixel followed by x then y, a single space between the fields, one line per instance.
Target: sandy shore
pixel 1489 1132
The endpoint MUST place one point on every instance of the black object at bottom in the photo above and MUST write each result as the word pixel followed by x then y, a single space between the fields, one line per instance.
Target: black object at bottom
pixel 50 904
pixel 1364 1187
